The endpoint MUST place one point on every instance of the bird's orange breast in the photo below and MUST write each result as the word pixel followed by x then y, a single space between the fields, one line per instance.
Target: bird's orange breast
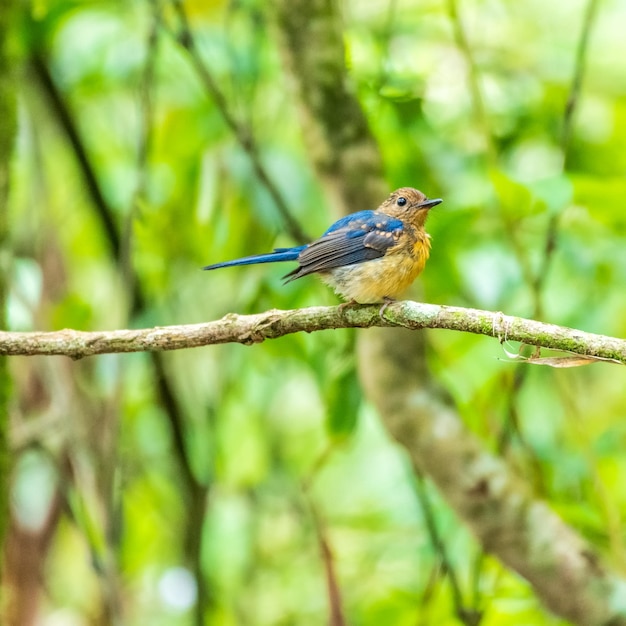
pixel 387 277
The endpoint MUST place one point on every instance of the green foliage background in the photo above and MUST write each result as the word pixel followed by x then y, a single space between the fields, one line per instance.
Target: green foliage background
pixel 278 444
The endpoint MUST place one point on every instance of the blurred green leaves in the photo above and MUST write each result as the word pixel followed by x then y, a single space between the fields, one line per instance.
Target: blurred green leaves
pixel 260 422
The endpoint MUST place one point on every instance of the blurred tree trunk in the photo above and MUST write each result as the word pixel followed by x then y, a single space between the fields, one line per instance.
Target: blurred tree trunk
pixel 484 492
pixel 341 145
pixel 8 128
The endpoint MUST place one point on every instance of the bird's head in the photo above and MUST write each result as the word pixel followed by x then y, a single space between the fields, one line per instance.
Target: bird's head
pixel 409 204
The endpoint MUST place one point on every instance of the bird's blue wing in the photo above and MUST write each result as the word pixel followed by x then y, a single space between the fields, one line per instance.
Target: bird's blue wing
pixel 353 220
pixel 356 238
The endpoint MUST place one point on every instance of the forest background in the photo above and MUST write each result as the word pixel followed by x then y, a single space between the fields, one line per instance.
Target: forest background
pixel 360 477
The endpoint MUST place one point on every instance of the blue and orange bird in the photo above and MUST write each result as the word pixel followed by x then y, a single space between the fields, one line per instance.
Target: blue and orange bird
pixel 368 256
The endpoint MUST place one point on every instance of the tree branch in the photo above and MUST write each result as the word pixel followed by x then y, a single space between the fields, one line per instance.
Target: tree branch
pixel 250 329
pixel 523 532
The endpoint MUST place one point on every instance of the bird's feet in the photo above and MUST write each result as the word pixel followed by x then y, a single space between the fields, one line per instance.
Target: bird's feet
pixel 386 303
pixel 344 305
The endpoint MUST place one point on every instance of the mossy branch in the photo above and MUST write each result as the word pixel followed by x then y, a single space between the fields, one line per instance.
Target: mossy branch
pixel 249 329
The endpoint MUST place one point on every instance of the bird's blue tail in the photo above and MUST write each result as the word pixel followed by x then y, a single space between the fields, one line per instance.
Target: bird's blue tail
pixel 280 254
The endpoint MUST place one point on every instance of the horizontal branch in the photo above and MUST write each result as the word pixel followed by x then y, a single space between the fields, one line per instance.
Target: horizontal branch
pixel 249 329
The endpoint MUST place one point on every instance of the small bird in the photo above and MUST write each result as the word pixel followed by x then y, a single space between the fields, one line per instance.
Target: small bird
pixel 366 257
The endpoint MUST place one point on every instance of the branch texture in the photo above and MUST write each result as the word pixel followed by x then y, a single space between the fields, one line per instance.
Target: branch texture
pixel 250 329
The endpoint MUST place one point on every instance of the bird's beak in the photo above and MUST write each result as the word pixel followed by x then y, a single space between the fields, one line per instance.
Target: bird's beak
pixel 429 204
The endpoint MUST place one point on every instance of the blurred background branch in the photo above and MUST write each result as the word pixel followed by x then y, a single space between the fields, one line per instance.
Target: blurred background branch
pixel 8 132
pixel 242 133
pixel 158 136
pixel 114 234
pixel 538 278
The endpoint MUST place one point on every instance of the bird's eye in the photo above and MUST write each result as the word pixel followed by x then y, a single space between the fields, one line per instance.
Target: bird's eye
pixel 401 201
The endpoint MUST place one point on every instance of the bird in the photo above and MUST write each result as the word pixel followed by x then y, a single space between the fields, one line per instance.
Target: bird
pixel 367 257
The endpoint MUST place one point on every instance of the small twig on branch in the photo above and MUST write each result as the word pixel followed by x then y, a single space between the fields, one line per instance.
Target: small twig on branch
pixel 249 329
